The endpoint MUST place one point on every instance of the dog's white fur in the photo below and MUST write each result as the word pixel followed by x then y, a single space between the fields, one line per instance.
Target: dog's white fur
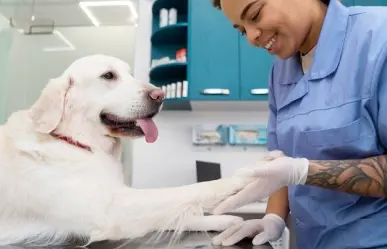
pixel 50 189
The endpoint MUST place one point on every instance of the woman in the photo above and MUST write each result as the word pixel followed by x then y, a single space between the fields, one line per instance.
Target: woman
pixel 328 105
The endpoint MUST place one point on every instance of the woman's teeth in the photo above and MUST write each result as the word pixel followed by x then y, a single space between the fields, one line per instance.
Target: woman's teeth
pixel 271 42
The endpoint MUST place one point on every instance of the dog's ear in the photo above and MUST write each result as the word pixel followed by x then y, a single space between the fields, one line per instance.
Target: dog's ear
pixel 47 111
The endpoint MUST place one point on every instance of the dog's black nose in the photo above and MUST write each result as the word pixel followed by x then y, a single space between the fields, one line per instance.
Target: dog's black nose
pixel 157 95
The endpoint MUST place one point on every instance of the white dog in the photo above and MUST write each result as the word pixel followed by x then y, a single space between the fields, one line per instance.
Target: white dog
pixel 60 170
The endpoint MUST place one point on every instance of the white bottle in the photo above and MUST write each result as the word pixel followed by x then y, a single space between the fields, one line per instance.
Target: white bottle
pixel 173 90
pixel 168 91
pixel 185 89
pixel 179 87
pixel 172 17
pixel 164 89
pixel 163 17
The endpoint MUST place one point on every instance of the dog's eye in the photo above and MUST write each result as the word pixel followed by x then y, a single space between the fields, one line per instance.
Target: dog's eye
pixel 108 76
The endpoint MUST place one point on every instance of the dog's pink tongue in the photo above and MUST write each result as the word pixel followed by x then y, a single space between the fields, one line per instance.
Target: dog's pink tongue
pixel 149 128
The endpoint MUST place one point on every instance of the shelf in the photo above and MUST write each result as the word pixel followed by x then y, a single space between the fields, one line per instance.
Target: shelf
pixel 182 104
pixel 169 72
pixel 180 5
pixel 258 207
pixel 171 34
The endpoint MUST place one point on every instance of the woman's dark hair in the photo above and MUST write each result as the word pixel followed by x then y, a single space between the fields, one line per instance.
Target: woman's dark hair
pixel 216 3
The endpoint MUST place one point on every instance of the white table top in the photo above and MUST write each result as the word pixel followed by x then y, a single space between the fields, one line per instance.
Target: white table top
pixel 257 207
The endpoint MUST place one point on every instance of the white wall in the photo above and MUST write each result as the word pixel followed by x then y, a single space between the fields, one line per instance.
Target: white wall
pixel 143 44
pixel 3 22
pixel 5 47
pixel 171 160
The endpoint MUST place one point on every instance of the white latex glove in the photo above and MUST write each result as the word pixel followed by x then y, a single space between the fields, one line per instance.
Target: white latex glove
pixel 271 176
pixel 272 155
pixel 267 229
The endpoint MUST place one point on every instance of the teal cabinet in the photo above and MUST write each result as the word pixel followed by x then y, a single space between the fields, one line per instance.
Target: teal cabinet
pixel 371 2
pixel 255 66
pixel 221 65
pixel 348 2
pixel 213 54
pixel 166 41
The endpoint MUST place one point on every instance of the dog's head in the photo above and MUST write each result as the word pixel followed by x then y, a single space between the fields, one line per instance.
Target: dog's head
pixel 98 96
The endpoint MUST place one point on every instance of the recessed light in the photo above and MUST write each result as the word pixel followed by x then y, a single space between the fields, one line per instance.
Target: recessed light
pixel 85 6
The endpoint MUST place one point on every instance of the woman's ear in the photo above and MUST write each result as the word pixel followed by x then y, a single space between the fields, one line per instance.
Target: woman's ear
pixel 47 111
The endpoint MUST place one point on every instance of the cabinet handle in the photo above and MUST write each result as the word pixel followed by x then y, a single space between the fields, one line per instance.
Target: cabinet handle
pixel 215 91
pixel 259 91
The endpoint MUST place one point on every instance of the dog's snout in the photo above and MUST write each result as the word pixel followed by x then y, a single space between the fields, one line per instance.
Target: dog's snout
pixel 157 95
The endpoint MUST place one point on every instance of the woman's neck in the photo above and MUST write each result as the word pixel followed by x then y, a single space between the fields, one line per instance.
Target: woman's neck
pixel 319 10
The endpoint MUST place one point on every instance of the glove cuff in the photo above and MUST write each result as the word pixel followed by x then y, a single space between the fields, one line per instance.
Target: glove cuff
pixel 300 172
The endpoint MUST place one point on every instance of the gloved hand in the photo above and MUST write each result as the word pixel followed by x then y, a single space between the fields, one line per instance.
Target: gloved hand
pixel 267 229
pixel 272 155
pixel 270 176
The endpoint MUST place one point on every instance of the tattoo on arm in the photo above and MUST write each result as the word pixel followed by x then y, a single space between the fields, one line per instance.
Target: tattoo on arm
pixel 366 177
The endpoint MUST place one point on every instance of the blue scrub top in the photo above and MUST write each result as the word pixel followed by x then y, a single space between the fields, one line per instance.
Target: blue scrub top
pixel 337 110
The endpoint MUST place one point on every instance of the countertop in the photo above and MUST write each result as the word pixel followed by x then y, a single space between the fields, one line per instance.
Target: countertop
pixel 193 240
pixel 256 207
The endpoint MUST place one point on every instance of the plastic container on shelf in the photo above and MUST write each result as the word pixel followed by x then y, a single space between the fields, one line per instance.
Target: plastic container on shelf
pixel 163 17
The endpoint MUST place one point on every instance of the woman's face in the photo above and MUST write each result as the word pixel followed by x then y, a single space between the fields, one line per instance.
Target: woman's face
pixel 279 26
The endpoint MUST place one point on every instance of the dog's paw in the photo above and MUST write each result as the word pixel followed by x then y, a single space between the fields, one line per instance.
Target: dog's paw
pixel 213 223
pixel 220 223
pixel 214 192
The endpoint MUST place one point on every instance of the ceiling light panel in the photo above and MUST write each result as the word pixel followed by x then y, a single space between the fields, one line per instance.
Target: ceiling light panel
pixel 99 12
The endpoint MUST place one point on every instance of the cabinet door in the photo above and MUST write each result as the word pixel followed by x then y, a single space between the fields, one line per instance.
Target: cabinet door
pixel 371 2
pixel 347 2
pixel 213 54
pixel 255 69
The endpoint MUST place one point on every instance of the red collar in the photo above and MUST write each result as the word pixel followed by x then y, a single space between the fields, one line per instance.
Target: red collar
pixel 71 141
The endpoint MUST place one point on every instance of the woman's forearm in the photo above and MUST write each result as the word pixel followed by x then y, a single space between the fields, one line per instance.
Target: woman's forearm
pixel 278 203
pixel 367 177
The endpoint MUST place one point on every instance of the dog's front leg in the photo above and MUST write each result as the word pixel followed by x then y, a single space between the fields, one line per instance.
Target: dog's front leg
pixel 216 223
pixel 134 213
